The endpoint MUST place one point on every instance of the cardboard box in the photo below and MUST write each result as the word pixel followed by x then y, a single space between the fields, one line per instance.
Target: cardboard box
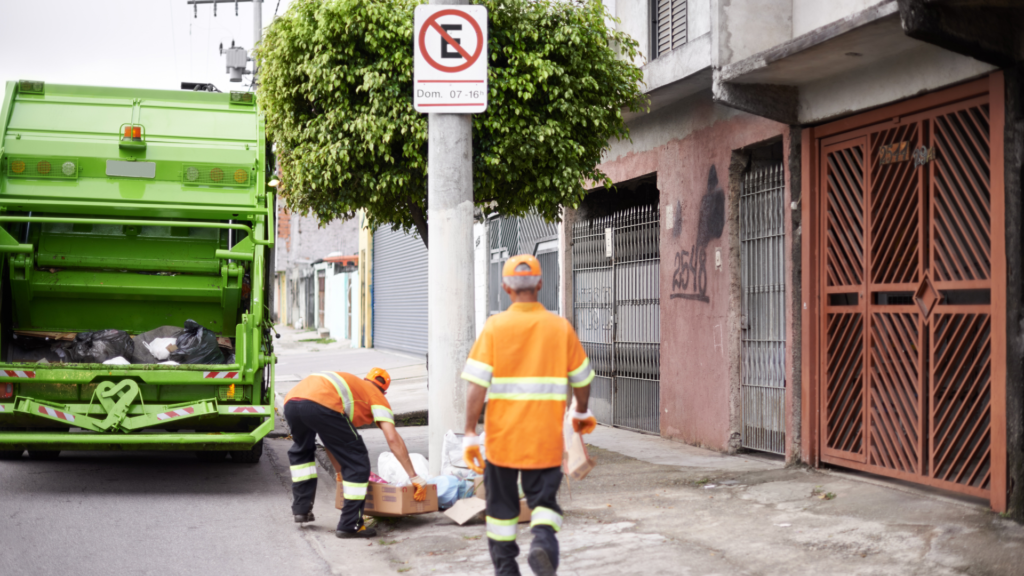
pixel 473 508
pixel 391 501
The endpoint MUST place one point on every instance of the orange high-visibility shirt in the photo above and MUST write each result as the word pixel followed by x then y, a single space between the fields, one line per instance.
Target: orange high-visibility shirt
pixel 527 358
pixel 349 394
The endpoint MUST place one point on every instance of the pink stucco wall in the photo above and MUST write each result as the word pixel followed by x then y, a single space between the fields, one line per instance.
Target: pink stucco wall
pixel 699 328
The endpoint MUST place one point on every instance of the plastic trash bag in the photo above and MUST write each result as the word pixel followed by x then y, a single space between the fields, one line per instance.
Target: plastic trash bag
pixel 197 345
pixel 151 347
pixel 119 360
pixel 98 347
pixel 452 463
pixel 451 489
pixel 391 471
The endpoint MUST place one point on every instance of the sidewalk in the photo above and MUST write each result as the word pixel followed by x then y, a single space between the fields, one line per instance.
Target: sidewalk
pixel 653 506
pixel 300 354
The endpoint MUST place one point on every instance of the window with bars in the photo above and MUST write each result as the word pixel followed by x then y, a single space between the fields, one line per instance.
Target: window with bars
pixel 668 26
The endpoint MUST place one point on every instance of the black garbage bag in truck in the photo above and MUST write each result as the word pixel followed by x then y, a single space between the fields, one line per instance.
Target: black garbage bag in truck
pixel 197 345
pixel 98 347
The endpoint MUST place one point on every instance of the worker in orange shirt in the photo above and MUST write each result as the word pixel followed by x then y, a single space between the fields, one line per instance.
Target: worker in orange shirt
pixel 333 405
pixel 525 361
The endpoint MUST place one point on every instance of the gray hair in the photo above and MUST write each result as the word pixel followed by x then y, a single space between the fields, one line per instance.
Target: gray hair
pixel 517 283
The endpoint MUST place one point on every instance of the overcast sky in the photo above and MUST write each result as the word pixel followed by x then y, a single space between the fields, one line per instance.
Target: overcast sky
pixel 131 43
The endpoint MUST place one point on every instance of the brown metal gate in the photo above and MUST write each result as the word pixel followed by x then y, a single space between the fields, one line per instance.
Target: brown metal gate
pixel 912 287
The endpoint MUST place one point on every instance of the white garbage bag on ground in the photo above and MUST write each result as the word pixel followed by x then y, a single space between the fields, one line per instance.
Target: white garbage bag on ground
pixel 390 470
pixel 452 463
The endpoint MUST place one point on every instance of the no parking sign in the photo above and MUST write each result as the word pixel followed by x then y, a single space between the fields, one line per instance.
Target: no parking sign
pixel 450 59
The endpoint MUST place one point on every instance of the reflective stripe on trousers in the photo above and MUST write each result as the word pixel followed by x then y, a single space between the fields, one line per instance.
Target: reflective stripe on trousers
pixel 343 391
pixel 303 472
pixel 501 530
pixel 354 490
pixel 541 516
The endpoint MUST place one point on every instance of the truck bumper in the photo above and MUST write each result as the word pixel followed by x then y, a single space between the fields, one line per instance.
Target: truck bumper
pixel 155 440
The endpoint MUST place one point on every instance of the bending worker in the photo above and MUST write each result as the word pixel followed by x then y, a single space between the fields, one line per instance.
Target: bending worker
pixel 333 405
pixel 525 360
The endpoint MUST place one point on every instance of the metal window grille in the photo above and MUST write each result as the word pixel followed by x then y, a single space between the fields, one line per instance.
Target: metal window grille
pixel 617 313
pixel 668 24
pixel 763 342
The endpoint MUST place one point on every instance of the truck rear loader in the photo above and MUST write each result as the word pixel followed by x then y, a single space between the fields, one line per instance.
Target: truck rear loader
pixel 132 210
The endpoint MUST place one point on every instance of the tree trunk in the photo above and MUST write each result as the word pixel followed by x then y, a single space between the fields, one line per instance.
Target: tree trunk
pixel 420 220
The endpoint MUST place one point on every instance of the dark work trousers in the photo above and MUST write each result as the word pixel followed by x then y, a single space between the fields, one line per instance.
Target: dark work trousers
pixel 307 419
pixel 541 489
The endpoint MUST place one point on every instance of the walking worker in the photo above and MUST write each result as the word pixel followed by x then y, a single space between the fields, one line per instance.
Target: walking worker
pixel 525 361
pixel 333 405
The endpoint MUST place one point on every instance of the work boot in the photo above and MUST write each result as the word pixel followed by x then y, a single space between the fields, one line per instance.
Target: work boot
pixel 540 562
pixel 363 532
pixel 307 517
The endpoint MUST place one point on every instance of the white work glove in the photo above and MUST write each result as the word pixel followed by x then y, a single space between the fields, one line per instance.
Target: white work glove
pixel 471 453
pixel 419 484
pixel 584 422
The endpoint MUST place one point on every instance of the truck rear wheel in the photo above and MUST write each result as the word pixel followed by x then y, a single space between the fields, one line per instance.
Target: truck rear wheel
pixel 212 455
pixel 250 456
pixel 43 454
pixel 10 454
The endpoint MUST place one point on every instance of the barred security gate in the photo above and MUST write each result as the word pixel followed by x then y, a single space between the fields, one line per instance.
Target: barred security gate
pixel 763 342
pixel 912 281
pixel 617 312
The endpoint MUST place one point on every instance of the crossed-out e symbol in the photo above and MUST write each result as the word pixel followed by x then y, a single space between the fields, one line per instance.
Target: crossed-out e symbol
pixel 445 53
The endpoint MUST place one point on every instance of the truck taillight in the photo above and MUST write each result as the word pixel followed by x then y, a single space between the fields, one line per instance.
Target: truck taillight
pixel 6 390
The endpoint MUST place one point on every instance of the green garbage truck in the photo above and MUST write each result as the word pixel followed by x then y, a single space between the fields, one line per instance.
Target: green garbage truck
pixel 126 213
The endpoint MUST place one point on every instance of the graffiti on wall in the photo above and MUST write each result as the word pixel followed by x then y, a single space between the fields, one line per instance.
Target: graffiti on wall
pixel 690 279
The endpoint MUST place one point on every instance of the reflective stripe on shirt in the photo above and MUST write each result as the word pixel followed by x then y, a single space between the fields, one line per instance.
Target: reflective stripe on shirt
pixel 343 391
pixel 528 389
pixel 583 375
pixel 546 517
pixel 477 372
pixel 502 530
pixel 354 490
pixel 303 472
pixel 382 413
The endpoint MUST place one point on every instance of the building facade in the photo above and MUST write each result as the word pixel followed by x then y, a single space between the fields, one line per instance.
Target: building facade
pixel 821 213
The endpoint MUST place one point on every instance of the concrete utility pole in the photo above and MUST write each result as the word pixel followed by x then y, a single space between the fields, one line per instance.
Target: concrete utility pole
pixel 450 297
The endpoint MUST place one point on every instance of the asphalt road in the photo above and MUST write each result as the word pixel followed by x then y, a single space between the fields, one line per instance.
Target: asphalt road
pixel 109 513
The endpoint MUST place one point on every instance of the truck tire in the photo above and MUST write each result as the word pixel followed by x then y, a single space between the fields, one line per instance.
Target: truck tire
pixel 211 455
pixel 251 456
pixel 43 454
pixel 10 454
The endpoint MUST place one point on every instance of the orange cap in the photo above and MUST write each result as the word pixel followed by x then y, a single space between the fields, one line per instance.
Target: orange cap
pixel 381 373
pixel 521 265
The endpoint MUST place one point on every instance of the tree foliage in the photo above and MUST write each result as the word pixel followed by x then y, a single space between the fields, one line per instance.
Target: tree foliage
pixel 336 88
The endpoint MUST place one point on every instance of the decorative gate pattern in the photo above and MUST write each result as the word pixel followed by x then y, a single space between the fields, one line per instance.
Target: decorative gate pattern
pixel 617 312
pixel 763 343
pixel 907 282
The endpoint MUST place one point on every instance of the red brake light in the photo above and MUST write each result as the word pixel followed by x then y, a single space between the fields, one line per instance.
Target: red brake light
pixel 6 390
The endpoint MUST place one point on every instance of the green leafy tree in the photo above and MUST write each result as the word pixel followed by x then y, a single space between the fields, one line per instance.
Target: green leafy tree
pixel 336 87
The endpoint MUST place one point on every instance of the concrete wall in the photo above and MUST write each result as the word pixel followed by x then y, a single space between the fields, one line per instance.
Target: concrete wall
pixel 481 261
pixel 306 241
pixel 917 71
pixel 691 148
pixel 811 14
pixel 746 27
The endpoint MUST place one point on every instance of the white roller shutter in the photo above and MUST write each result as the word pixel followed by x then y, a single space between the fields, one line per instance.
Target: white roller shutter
pixel 399 291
